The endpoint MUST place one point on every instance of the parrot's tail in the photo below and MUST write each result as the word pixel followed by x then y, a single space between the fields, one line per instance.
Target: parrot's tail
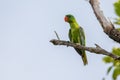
pixel 83 55
pixel 84 58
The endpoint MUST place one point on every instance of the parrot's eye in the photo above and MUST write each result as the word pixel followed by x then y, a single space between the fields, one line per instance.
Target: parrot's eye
pixel 69 16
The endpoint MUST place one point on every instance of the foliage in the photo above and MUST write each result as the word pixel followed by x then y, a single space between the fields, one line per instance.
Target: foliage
pixel 117 21
pixel 117 11
pixel 115 67
pixel 115 64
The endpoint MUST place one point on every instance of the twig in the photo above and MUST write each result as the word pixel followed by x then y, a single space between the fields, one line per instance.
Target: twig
pixel 107 26
pixel 97 49
pixel 57 35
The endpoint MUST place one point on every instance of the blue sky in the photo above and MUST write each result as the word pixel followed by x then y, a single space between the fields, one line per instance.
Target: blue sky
pixel 27 26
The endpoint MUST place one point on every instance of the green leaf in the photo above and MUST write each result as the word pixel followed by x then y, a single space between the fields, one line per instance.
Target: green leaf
pixel 117 21
pixel 116 63
pixel 109 69
pixel 117 7
pixel 116 51
pixel 107 59
pixel 118 29
pixel 116 73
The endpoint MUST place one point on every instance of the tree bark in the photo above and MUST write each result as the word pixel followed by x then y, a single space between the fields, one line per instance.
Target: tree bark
pixel 107 26
pixel 97 49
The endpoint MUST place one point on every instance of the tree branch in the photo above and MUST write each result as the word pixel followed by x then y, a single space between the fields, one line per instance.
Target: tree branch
pixel 97 49
pixel 107 26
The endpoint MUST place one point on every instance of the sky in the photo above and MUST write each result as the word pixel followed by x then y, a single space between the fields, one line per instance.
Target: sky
pixel 27 26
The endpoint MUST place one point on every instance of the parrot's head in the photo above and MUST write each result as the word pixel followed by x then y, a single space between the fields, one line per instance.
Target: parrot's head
pixel 69 18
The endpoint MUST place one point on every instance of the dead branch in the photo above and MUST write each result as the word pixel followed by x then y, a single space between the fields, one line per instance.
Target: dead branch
pixel 107 26
pixel 96 50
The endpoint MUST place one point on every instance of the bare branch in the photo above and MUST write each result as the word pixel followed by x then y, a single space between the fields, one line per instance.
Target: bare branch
pixel 107 26
pixel 57 35
pixel 97 49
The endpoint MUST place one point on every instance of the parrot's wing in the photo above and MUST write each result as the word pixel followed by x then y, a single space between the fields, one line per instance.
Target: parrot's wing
pixel 70 36
pixel 82 41
pixel 82 36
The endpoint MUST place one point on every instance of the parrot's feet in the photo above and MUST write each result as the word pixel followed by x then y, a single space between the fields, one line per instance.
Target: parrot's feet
pixel 77 43
pixel 68 42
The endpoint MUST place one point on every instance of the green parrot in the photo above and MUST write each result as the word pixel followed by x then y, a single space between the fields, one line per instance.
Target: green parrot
pixel 76 35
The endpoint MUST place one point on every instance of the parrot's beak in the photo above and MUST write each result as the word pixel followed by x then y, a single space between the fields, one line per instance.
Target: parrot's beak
pixel 66 19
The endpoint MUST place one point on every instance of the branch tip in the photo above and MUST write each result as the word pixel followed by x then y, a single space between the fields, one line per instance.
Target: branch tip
pixel 97 46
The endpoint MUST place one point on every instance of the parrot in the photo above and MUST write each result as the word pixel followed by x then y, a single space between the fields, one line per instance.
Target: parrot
pixel 76 35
